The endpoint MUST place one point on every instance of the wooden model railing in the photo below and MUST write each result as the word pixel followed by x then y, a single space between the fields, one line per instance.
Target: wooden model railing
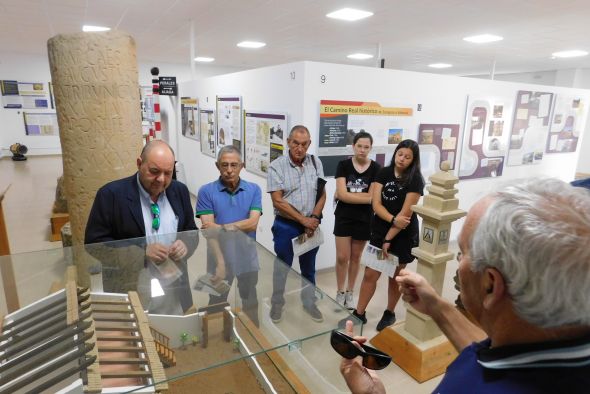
pixel 162 342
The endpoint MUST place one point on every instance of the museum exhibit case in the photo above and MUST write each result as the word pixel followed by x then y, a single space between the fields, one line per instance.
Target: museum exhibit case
pixel 140 315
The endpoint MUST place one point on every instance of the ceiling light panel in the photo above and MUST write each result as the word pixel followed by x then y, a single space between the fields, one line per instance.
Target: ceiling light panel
pixel 349 14
pixel 440 65
pixel 359 56
pixel 570 53
pixel 251 44
pixel 90 28
pixel 204 59
pixel 483 38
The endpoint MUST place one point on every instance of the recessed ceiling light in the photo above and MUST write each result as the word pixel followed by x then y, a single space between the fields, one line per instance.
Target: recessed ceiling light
pixel 349 14
pixel 89 28
pixel 359 56
pixel 204 59
pixel 572 53
pixel 440 65
pixel 483 38
pixel 251 44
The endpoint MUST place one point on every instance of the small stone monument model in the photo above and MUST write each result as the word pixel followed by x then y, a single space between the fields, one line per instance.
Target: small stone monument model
pixel 418 346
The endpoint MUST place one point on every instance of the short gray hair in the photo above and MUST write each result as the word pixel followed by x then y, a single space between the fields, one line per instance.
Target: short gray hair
pixel 537 233
pixel 228 149
pixel 298 129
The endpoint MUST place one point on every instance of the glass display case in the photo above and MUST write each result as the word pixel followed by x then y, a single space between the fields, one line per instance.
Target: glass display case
pixel 207 296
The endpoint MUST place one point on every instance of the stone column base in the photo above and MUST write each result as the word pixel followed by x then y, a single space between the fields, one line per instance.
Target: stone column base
pixel 422 360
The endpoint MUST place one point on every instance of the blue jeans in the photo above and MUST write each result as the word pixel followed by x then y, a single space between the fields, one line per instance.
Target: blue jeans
pixel 283 231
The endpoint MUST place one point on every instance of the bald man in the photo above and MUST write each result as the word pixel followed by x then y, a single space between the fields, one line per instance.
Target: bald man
pixel 147 204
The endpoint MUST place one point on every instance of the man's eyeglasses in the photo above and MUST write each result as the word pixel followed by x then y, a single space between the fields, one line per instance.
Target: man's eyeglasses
pixel 155 216
pixel 233 166
pixel 372 358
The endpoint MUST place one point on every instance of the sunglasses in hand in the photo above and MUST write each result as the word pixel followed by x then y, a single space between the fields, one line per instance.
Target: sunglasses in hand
pixel 344 346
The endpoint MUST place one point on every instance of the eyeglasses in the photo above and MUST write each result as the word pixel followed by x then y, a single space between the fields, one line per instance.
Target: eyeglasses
pixel 155 216
pixel 344 346
pixel 233 166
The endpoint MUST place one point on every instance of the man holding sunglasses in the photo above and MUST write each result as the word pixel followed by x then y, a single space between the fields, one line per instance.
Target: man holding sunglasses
pixel 524 275
pixel 148 204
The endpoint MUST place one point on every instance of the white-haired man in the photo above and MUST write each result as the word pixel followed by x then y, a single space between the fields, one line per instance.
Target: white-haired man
pixel 524 271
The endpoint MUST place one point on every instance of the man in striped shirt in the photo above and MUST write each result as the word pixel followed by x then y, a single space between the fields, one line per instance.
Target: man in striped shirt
pixel 293 186
pixel 524 271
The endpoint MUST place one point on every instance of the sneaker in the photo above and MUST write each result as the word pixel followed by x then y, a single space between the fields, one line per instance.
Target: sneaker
pixel 276 313
pixel 387 320
pixel 314 312
pixel 340 299
pixel 362 318
pixel 348 301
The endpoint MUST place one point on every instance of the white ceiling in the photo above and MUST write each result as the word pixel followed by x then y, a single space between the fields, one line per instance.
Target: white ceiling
pixel 412 33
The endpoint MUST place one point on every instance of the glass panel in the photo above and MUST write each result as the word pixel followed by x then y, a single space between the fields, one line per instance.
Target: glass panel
pixel 221 280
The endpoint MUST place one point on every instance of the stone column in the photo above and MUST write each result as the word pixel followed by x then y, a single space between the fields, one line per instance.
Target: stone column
pixel 96 91
pixel 418 346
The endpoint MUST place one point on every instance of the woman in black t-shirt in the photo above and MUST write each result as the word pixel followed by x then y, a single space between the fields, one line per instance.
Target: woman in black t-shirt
pixel 352 224
pixel 395 228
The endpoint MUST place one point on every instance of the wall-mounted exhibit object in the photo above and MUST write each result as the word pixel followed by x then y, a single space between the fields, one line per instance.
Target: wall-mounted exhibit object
pixel 229 121
pixel 265 139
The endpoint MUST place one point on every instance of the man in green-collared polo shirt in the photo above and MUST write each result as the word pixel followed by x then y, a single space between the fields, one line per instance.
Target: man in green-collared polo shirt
pixel 229 204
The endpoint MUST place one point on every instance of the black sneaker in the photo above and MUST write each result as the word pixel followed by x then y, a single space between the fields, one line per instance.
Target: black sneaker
pixel 362 318
pixel 387 320
pixel 314 312
pixel 276 313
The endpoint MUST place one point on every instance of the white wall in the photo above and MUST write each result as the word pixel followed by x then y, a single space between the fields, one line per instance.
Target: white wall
pixel 26 68
pixel 443 100
pixel 269 89
pixel 35 68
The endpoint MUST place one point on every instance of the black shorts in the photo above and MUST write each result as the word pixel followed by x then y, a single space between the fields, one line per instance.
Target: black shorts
pixel 347 227
pixel 401 246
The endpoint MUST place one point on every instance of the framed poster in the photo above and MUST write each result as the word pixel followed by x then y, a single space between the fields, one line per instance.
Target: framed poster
pixel 265 136
pixel 228 121
pixel 29 95
pixel 485 141
pixel 189 109
pixel 567 124
pixel 41 124
pixel 207 131
pixel 530 127
pixel 438 143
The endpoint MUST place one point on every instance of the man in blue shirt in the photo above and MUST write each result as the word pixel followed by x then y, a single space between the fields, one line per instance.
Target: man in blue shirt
pixel 524 273
pixel 224 206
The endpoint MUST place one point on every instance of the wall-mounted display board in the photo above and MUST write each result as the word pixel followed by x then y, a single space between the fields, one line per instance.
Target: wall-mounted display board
pixel 438 143
pixel 340 121
pixel 26 95
pixel 189 109
pixel 41 123
pixel 265 136
pixel 207 131
pixel 147 104
pixel 485 140
pixel 229 121
pixel 567 124
pixel 530 127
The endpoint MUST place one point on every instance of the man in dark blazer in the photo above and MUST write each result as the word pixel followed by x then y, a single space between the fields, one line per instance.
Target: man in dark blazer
pixel 148 204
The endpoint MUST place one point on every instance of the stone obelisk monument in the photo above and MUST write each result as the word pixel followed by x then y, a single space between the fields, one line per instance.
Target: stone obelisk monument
pixel 96 89
pixel 417 345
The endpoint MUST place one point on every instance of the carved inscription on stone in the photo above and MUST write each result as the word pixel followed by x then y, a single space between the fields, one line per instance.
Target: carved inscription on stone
pixel 97 101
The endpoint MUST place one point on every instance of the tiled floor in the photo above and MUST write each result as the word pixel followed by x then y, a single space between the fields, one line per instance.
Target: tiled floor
pixel 27 209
